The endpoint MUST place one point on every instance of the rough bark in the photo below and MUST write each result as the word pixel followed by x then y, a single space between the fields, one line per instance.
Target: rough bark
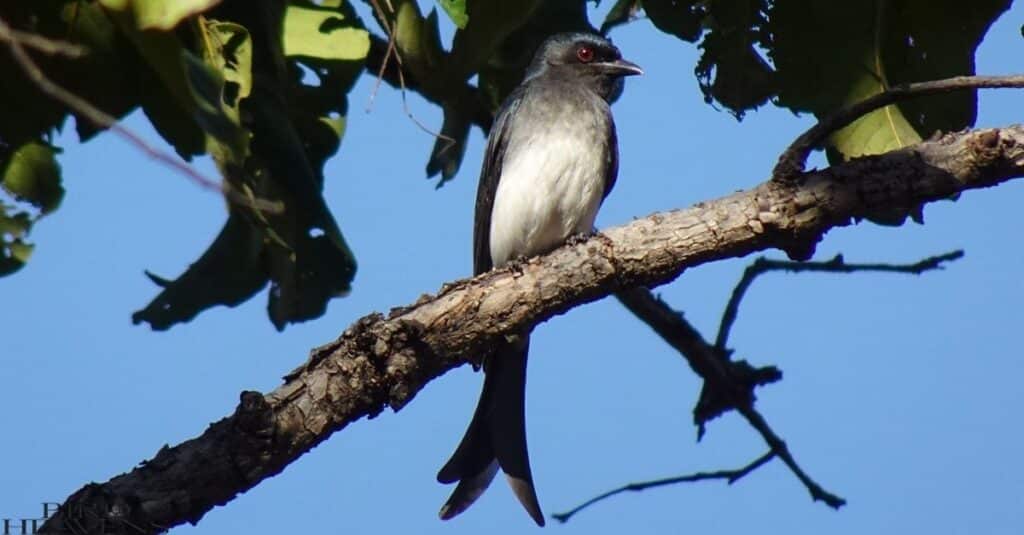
pixel 383 361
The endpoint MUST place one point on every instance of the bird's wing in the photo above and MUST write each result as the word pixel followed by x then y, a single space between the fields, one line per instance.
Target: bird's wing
pixel 490 174
pixel 613 158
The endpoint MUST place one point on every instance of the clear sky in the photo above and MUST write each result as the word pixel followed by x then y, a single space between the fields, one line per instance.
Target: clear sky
pixel 901 394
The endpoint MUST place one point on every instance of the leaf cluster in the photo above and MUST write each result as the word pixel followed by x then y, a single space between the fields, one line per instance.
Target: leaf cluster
pixel 261 86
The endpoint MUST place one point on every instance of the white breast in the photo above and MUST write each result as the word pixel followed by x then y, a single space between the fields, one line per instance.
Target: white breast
pixel 550 188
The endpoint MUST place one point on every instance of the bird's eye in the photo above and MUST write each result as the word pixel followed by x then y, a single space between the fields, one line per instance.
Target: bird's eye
pixel 585 54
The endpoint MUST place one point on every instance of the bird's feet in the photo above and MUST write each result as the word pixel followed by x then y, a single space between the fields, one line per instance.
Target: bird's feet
pixel 518 264
pixel 580 237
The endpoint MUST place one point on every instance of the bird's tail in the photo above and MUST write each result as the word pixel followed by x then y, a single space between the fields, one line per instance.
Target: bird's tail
pixel 496 436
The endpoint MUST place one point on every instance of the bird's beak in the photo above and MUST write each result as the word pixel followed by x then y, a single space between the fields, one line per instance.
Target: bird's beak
pixel 623 67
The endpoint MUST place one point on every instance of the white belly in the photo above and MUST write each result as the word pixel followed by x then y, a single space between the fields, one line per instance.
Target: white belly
pixel 549 190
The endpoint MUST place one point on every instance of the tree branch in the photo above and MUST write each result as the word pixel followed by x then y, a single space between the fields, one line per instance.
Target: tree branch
pixel 727 385
pixel 835 265
pixel 791 162
pixel 382 362
pixel 730 477
pixel 17 41
pixel 466 96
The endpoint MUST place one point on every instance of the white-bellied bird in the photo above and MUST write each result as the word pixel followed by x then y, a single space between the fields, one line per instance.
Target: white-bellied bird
pixel 552 157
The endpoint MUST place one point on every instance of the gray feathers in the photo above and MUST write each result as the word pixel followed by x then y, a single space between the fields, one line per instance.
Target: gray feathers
pixel 551 159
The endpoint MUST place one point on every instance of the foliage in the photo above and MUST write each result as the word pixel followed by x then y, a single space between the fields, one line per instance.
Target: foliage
pixel 214 78
pixel 261 87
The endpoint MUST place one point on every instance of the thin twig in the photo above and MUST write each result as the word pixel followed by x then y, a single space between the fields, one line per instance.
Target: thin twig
pixel 730 476
pixel 387 54
pixel 818 493
pixel 380 72
pixel 836 265
pixel 792 161
pixel 468 97
pixel 450 142
pixel 104 120
pixel 51 47
pixel 393 52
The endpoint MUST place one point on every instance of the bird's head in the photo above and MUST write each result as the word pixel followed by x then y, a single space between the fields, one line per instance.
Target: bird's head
pixel 587 56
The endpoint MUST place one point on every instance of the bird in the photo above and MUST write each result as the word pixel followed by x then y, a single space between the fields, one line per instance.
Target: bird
pixel 551 159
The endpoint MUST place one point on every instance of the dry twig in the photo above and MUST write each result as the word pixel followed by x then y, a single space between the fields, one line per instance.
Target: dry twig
pixel 16 42
pixel 730 477
pixel 836 265
pixel 791 162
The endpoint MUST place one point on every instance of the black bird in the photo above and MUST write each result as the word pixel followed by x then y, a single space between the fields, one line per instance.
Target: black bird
pixel 552 157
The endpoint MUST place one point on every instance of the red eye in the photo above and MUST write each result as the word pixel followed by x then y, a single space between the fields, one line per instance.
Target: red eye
pixel 585 54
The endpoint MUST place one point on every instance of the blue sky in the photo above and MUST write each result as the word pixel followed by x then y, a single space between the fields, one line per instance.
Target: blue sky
pixel 901 393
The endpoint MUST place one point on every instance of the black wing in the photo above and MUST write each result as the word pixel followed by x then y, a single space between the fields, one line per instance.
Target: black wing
pixel 490 174
pixel 613 158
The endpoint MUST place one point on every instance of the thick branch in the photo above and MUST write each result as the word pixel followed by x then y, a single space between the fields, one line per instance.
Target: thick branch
pixel 382 362
pixel 726 384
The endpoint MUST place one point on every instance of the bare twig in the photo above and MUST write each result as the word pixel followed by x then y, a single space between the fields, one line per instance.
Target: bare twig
pixel 387 53
pixel 467 96
pixel 719 375
pixel 52 47
pixel 818 493
pixel 792 161
pixel 392 51
pixel 730 476
pixel 836 265
pixel 380 72
pixel 101 119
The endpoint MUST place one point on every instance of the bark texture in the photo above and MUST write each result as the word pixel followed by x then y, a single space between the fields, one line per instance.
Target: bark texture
pixel 383 361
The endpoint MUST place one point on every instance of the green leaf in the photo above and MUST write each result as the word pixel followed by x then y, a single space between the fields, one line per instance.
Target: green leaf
pixel 883 43
pixel 228 273
pixel 13 226
pixel 682 19
pixel 218 84
pixel 300 252
pixel 488 26
pixel 161 49
pixel 335 124
pixel 170 119
pixel 944 39
pixel 167 99
pixel 731 70
pixel 878 132
pixel 323 33
pixel 232 56
pixel 210 112
pixel 115 91
pixel 159 14
pixel 14 256
pixel 86 24
pixel 32 174
pixel 20 251
pixel 456 10
pixel 14 251
pixel 821 78
pixel 622 12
